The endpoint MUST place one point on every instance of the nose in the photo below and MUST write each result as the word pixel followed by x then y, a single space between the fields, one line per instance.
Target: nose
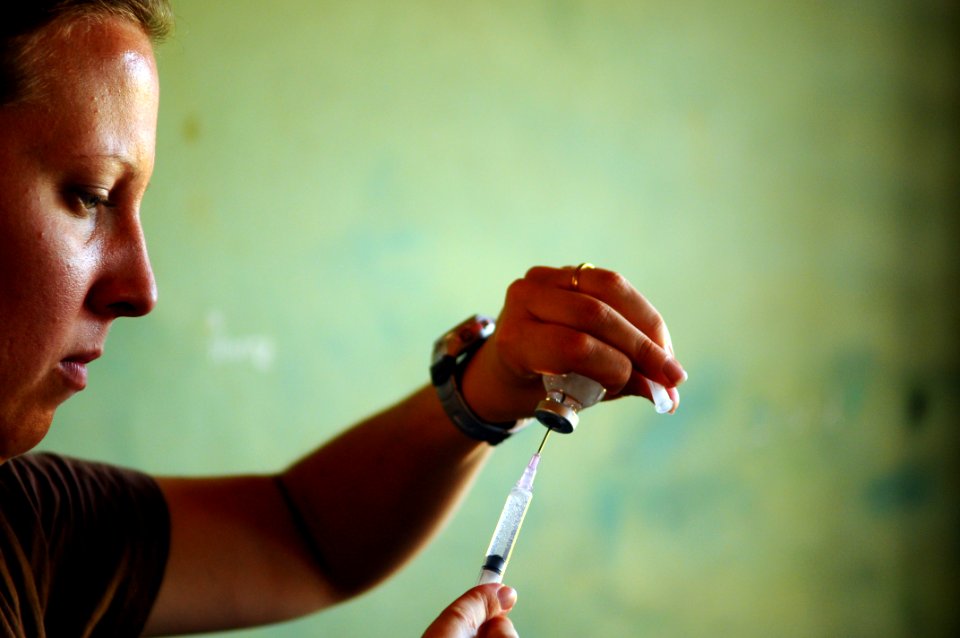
pixel 125 286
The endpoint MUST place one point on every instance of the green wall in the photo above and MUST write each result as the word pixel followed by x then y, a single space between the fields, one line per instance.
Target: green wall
pixel 338 182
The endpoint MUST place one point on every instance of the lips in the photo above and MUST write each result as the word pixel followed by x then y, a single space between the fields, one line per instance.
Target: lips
pixel 73 369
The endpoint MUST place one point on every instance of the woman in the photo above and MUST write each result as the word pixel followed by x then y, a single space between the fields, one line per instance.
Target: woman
pixel 87 549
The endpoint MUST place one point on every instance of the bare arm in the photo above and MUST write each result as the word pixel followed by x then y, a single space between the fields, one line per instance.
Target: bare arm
pixel 241 555
pixel 257 549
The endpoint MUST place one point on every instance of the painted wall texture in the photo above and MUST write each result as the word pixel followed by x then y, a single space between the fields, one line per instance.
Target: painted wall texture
pixel 338 182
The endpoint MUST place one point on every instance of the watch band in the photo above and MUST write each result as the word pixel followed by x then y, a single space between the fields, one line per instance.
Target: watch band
pixel 451 353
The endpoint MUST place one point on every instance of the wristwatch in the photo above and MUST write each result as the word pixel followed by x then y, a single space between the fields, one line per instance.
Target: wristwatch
pixel 451 353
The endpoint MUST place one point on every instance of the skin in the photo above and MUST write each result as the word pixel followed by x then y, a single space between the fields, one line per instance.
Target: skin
pixel 71 265
pixel 74 167
pixel 481 612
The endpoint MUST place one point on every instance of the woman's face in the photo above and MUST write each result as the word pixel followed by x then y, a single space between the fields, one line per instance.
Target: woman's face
pixel 74 164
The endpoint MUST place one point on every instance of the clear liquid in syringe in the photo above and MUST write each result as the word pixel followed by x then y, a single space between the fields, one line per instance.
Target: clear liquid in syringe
pixel 511 519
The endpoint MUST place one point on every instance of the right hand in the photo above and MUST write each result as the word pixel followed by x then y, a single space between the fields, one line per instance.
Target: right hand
pixel 596 324
pixel 480 613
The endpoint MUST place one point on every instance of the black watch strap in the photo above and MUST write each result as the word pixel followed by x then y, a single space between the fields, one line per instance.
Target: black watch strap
pixel 451 353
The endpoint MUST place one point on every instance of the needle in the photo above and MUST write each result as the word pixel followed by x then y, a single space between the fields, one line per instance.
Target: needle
pixel 540 449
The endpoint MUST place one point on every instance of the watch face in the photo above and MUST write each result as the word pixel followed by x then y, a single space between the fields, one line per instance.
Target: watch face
pixel 457 342
pixel 476 327
pixel 459 339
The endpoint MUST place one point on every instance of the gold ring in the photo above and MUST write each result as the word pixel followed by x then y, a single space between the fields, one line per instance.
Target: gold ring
pixel 575 278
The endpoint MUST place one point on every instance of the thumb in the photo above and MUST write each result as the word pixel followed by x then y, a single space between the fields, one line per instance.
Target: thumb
pixel 480 611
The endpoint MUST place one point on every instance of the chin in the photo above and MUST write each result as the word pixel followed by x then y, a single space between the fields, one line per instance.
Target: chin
pixel 23 436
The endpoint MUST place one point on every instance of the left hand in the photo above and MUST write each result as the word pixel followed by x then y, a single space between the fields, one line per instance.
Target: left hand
pixel 479 613
pixel 596 324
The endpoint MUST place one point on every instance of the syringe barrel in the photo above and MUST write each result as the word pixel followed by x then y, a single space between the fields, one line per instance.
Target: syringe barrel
pixel 506 531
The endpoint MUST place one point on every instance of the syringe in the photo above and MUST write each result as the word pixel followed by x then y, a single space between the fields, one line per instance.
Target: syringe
pixel 508 527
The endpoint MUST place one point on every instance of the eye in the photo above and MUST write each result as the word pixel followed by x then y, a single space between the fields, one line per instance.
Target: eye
pixel 87 201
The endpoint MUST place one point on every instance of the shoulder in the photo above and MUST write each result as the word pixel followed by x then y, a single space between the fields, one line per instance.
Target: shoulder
pixel 89 539
pixel 63 504
pixel 53 482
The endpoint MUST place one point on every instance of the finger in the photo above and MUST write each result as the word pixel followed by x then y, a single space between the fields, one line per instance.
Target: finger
pixel 551 348
pixel 498 627
pixel 549 300
pixel 616 291
pixel 464 617
pixel 613 289
pixel 593 316
pixel 675 397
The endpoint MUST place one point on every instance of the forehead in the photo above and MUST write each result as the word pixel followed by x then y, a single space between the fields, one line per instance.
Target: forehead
pixel 97 54
pixel 96 91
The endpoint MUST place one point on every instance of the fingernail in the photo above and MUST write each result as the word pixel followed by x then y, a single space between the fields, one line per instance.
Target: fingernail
pixel 507 597
pixel 674 372
pixel 675 397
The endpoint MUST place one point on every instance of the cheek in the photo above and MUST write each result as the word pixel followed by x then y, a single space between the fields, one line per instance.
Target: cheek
pixel 46 264
pixel 43 281
pixel 56 265
pixel 39 301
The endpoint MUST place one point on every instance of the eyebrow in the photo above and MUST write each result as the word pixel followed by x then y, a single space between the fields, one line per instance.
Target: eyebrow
pixel 119 158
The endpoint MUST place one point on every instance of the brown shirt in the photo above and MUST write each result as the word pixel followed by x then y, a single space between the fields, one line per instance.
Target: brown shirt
pixel 83 547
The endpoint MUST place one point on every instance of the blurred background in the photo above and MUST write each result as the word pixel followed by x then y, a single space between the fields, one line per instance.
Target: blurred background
pixel 339 182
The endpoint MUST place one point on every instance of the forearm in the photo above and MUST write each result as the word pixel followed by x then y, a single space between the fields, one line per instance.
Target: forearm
pixel 255 549
pixel 370 498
